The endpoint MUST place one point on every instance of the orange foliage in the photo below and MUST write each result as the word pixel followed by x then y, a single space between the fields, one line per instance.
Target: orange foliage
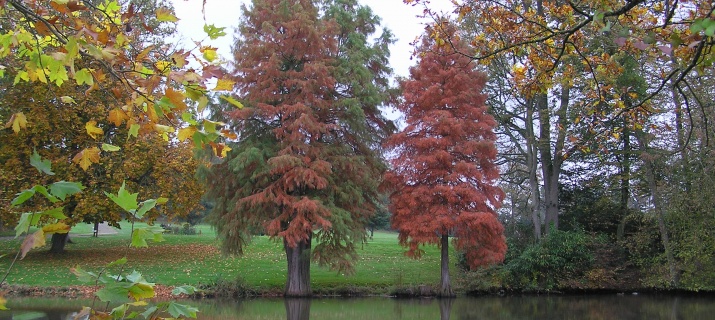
pixel 443 176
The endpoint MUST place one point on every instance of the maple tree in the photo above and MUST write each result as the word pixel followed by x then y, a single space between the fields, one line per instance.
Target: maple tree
pixel 155 88
pixel 96 63
pixel 443 174
pixel 148 163
pixel 304 168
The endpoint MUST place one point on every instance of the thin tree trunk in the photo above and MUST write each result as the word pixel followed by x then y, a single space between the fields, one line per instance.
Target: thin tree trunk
pixel 649 168
pixel 445 283
pixel 533 167
pixel 664 238
pixel 625 182
pixel 298 281
pixel 297 308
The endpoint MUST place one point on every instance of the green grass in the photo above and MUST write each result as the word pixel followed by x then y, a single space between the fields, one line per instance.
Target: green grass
pixel 196 259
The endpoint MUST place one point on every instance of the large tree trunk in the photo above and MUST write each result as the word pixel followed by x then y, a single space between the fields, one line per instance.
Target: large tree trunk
pixel 59 240
pixel 552 159
pixel 297 308
pixel 298 282
pixel 445 289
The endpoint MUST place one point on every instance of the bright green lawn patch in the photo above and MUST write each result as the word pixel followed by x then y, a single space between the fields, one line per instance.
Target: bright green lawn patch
pixel 196 259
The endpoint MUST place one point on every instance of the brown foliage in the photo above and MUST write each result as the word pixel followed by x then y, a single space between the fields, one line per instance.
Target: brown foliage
pixel 443 174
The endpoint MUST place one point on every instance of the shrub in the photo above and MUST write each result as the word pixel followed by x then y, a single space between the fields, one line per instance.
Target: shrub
pixel 184 229
pixel 560 255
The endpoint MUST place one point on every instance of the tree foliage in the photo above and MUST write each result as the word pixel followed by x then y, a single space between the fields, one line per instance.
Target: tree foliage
pixel 148 163
pixel 443 174
pixel 304 167
pixel 153 89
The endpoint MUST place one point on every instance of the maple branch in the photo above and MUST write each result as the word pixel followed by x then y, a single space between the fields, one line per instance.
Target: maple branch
pixel 33 16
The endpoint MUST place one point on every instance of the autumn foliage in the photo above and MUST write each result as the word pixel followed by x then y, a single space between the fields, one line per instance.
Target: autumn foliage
pixel 443 172
pixel 148 164
pixel 304 167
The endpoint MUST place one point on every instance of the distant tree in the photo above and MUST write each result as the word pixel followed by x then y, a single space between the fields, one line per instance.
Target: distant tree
pixel 381 218
pixel 304 166
pixel 443 175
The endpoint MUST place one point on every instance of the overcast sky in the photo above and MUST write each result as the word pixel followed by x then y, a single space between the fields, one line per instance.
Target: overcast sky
pixel 400 18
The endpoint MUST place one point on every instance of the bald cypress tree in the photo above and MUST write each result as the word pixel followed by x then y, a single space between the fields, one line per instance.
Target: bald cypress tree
pixel 443 175
pixel 305 168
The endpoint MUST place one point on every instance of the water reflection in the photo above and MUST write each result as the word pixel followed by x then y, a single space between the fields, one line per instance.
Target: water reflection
pixel 445 308
pixel 604 307
pixel 297 308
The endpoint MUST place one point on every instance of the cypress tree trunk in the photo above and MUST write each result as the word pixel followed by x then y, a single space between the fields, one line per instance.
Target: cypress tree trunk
pixel 445 289
pixel 298 281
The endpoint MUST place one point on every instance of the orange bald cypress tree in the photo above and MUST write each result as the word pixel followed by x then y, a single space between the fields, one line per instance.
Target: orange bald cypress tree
pixel 443 174
pixel 304 170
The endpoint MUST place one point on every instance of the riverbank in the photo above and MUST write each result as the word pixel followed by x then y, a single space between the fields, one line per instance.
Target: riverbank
pixel 164 292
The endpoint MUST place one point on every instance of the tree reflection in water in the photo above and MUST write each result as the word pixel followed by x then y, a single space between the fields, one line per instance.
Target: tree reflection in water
pixel 297 308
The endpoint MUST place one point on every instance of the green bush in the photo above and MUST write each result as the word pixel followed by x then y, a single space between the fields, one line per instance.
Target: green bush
pixel 560 255
pixel 184 229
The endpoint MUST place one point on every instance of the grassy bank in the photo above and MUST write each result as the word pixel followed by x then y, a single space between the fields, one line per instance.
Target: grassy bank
pixel 196 260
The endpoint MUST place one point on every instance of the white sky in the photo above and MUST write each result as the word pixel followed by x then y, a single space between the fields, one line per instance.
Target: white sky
pixel 400 18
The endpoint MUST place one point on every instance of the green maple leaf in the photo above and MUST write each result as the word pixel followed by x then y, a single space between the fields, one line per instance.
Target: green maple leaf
pixel 145 207
pixel 124 199
pixel 27 219
pixel 55 213
pixel 185 289
pixel 133 131
pixel 176 310
pixel 43 191
pixel 62 189
pixel 115 293
pixel 213 32
pixel 110 148
pixel 84 76
pixel 139 236
pixel 41 165
pixel 23 196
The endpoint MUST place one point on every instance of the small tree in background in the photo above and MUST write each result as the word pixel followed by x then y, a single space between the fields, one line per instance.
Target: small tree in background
pixel 443 176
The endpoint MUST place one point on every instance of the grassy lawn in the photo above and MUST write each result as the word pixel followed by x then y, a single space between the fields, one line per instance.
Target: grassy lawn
pixel 196 259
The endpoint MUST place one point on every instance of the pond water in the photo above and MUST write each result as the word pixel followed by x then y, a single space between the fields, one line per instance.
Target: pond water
pixel 609 307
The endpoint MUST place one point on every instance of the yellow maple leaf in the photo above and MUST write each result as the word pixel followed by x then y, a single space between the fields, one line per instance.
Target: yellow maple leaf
pixel 141 291
pixel 17 122
pixel 163 66
pixel 59 227
pixel 3 301
pixel 186 133
pixel 92 129
pixel 117 116
pixel 224 85
pixel 209 53
pixel 166 14
pixel 87 157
